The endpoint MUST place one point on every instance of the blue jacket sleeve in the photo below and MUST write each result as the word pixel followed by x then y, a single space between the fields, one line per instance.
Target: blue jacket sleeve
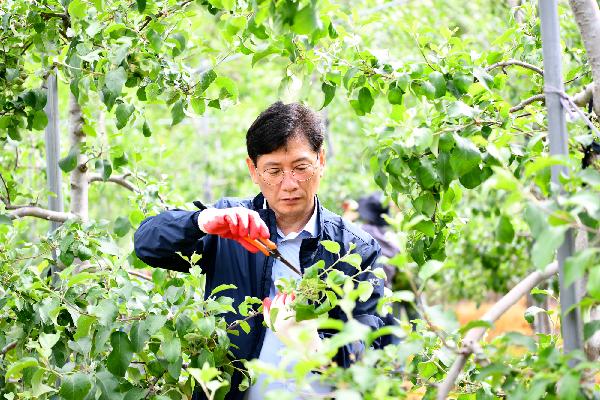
pixel 159 238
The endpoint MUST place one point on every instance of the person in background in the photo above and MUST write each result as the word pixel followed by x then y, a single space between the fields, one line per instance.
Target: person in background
pixel 371 212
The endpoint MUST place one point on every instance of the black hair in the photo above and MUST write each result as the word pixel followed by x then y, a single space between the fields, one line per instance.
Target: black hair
pixel 371 208
pixel 279 123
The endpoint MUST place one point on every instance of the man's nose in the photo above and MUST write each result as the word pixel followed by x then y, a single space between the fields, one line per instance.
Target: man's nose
pixel 289 183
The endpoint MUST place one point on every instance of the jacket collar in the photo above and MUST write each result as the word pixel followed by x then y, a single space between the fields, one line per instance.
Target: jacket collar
pixel 260 203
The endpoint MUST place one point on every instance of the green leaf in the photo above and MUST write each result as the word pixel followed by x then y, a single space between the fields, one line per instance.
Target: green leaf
pixel 228 84
pixel 429 269
pixel 593 285
pixel 427 369
pixel 115 80
pixel 40 120
pixel 5 220
pixel 531 312
pixel 146 129
pixel 439 83
pixel 198 105
pixel 141 4
pixel 80 278
pixel 245 326
pixel 504 230
pixel 222 287
pixel 122 226
pixel 568 385
pixel 69 162
pixel 206 79
pixel 106 311
pixel 19 366
pixel 577 264
pixel 425 173
pixel 154 322
pixel 536 219
pixel 425 226
pixel 590 328
pixel 425 204
pixel 172 349
pixel 444 169
pixel 177 112
pixel 395 94
pixel 333 34
pixel 475 324
pixel 353 259
pixel 306 21
pixel 123 113
pixel 365 100
pixel 122 351
pixel 331 246
pixel 544 248
pixel 75 387
pixel 329 92
pixel 465 156
pixel 77 9
pixel 365 290
pixel 138 336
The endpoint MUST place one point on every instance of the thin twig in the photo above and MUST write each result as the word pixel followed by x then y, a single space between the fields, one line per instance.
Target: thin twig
pixel 237 323
pixel 526 102
pixel 7 202
pixel 139 275
pixel 119 180
pixel 9 347
pixel 522 64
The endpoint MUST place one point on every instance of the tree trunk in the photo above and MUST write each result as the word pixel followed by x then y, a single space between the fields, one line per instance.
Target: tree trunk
pixel 79 179
pixel 587 16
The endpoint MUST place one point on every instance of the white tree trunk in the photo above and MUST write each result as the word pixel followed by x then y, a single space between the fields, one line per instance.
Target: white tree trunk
pixel 587 16
pixel 79 179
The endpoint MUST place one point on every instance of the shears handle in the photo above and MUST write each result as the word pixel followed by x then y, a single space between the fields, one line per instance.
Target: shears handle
pixel 264 245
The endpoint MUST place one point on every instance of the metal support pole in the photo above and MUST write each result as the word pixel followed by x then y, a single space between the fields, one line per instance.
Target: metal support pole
pixel 571 325
pixel 52 139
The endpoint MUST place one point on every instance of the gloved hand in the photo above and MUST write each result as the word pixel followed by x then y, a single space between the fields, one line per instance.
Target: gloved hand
pixel 286 328
pixel 234 223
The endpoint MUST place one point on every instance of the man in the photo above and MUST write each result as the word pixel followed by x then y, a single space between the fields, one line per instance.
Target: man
pixel 286 160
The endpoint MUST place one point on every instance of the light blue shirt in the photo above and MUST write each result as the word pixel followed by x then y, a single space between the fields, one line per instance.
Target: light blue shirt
pixel 289 247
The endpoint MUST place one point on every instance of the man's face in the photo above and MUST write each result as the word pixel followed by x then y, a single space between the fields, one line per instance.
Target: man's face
pixel 290 198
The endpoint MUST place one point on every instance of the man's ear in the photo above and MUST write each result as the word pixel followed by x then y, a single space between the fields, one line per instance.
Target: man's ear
pixel 322 160
pixel 252 170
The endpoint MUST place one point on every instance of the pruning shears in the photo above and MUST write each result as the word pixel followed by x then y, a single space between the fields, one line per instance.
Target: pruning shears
pixel 268 248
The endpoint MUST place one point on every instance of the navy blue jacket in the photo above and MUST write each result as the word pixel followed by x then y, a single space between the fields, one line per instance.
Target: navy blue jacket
pixel 225 261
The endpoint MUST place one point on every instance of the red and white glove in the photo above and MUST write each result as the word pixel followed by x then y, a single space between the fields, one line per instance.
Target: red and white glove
pixel 286 328
pixel 234 223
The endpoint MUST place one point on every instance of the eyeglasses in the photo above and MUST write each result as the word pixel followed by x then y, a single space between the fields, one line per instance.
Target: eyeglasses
pixel 301 173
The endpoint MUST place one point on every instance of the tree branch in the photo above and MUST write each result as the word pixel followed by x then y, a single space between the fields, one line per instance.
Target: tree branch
pixel 471 339
pixel 139 275
pixel 587 16
pixel 119 180
pixel 8 347
pixel 522 64
pixel 526 102
pixel 583 98
pixel 38 212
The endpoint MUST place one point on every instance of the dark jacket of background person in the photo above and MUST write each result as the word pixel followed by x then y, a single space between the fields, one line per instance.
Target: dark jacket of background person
pixel 370 210
pixel 226 262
